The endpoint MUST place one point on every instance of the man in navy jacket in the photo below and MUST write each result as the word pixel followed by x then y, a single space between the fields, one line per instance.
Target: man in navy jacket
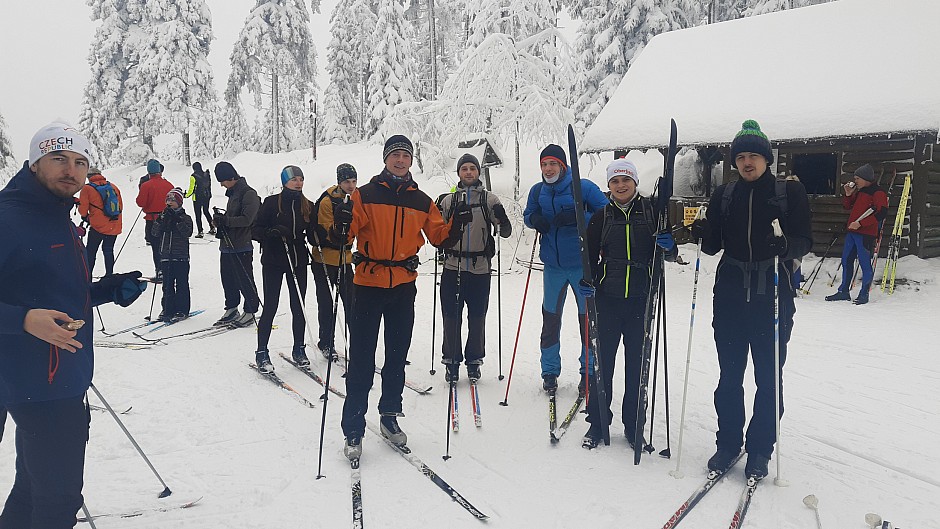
pixel 45 368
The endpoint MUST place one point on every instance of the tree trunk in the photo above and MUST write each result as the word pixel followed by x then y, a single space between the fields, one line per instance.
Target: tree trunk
pixel 275 116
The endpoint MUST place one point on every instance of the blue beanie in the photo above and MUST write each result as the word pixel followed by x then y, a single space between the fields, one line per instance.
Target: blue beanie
pixel 290 172
pixel 154 167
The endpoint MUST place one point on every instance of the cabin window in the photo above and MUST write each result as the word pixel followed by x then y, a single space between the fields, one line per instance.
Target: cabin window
pixel 818 172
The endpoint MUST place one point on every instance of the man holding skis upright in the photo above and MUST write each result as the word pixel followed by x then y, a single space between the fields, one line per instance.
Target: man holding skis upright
pixel 386 217
pixel 550 211
pixel 470 258
pixel 739 221
pixel 861 195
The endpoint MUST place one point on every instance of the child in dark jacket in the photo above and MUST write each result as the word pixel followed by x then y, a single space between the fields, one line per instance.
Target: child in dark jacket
pixel 172 230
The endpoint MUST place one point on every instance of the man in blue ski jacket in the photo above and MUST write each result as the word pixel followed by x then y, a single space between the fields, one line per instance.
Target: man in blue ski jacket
pixel 46 368
pixel 550 210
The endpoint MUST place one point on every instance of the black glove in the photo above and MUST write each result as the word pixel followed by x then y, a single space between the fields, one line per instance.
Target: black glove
pixel 540 223
pixel 463 214
pixel 122 289
pixel 219 220
pixel 279 231
pixel 778 245
pixel 700 229
pixel 565 217
pixel 343 215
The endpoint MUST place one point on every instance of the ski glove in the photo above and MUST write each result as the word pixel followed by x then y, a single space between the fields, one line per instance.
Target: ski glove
pixel 566 217
pixel 585 289
pixel 700 229
pixel 219 220
pixel 463 214
pixel 666 241
pixel 505 227
pixel 122 289
pixel 540 223
pixel 778 245
pixel 343 215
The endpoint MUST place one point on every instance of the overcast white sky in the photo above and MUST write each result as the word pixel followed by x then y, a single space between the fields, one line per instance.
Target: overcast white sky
pixel 44 58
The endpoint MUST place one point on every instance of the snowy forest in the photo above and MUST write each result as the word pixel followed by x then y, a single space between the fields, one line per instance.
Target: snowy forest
pixel 436 71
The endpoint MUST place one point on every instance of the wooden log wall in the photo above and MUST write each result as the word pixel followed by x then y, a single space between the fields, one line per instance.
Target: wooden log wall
pixel 930 221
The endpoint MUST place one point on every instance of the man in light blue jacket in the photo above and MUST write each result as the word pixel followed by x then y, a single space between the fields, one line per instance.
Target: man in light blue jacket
pixel 550 210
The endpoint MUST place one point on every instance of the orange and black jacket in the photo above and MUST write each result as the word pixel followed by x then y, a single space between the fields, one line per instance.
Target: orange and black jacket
pixel 389 215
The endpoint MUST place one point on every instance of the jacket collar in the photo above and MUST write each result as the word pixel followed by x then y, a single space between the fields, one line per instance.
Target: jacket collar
pixel 394 183
pixel 25 187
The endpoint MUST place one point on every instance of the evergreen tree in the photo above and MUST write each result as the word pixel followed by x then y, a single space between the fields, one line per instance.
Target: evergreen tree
pixel 611 34
pixel 519 19
pixel 392 68
pixel 274 55
pixel 8 166
pixel 761 7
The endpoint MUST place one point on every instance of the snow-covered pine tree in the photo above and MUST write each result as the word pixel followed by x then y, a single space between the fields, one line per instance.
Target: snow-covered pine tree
pixel 274 56
pixel 392 68
pixel 106 114
pixel 441 50
pixel 8 166
pixel 761 7
pixel 172 77
pixel 611 34
pixel 340 108
pixel 519 19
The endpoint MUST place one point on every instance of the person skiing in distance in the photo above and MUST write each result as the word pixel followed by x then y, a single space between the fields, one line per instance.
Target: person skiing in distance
pixel 48 355
pixel 739 221
pixel 172 230
pixel 102 229
pixel 233 229
pixel 621 241
pixel 326 260
pixel 152 199
pixel 550 210
pixel 386 217
pixel 471 258
pixel 281 227
pixel 200 189
pixel 861 194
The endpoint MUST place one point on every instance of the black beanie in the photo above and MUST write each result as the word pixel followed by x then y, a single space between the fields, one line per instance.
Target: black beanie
pixel 197 167
pixel 866 172
pixel 397 143
pixel 468 158
pixel 224 171
pixel 345 171
pixel 556 152
pixel 751 139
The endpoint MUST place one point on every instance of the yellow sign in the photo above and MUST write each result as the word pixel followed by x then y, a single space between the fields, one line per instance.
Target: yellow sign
pixel 689 215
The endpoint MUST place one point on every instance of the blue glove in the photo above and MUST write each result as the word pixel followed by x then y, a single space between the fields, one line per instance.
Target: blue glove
pixel 665 241
pixel 586 290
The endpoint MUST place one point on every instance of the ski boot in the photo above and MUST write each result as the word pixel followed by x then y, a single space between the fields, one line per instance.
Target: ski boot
pixel 263 361
pixel 299 356
pixel 353 447
pixel 451 373
pixel 550 383
pixel 840 295
pixel 473 372
pixel 756 466
pixel 228 317
pixel 722 459
pixel 592 438
pixel 388 425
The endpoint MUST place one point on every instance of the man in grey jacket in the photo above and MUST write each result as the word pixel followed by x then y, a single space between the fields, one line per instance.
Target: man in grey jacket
pixel 466 277
pixel 233 228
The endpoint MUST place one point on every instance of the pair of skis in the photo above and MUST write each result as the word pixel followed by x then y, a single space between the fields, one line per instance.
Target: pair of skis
pixel 713 478
pixel 474 404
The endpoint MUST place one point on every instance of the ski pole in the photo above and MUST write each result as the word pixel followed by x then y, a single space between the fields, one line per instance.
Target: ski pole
pixel 660 310
pixel 778 232
pixel 515 346
pixel 128 236
pixel 437 254
pixel 688 352
pixel 450 410
pixel 300 296
pixel 666 452
pixel 815 272
pixel 499 308
pixel 166 489
pixel 329 365
pixel 153 299
pixel 91 521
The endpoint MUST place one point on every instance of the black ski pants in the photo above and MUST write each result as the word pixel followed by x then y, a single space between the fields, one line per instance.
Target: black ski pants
pixel 176 298
pixel 200 208
pixel 743 323
pixel 397 307
pixel 106 242
pixel 272 277
pixel 322 284
pixel 238 279
pixel 154 241
pixel 619 319
pixel 50 462
pixel 475 294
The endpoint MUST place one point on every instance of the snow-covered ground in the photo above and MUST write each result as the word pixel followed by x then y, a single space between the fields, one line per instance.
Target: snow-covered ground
pixel 860 431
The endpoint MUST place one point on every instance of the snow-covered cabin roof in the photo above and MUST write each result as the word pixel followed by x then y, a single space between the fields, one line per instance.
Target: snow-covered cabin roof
pixel 840 69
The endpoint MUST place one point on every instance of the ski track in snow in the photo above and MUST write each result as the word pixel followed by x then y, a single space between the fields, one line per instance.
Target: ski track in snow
pixel 859 432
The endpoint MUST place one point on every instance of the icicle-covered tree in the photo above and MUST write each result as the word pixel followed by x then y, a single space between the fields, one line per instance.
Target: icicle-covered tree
pixel 107 111
pixel 611 34
pixel 392 68
pixel 171 78
pixel 274 52
pixel 8 166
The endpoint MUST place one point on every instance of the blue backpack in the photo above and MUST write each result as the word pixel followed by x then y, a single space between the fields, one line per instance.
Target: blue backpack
pixel 111 206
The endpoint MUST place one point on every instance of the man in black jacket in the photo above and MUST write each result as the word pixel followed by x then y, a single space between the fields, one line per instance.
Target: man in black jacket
pixel 234 230
pixel 739 221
